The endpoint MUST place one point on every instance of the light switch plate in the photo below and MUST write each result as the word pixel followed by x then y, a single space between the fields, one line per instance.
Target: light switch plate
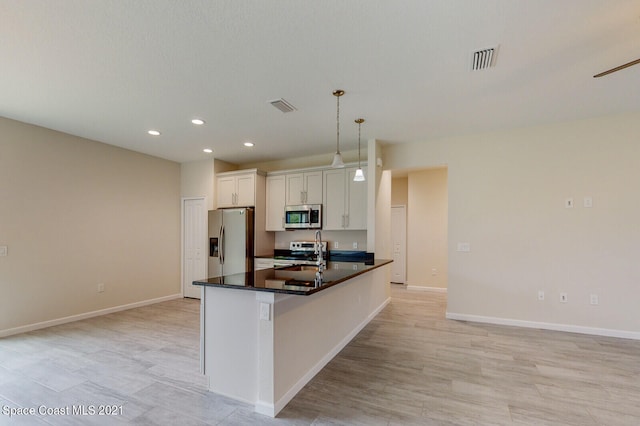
pixel 568 203
pixel 3 250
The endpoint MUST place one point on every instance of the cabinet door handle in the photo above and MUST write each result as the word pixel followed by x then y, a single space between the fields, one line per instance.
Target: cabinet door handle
pixel 347 221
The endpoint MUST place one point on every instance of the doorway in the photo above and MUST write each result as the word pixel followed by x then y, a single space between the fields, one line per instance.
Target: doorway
pixel 399 244
pixel 194 242
pixel 424 193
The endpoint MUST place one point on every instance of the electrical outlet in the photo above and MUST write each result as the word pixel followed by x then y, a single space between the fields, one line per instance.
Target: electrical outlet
pixel 594 299
pixel 100 287
pixel 464 247
pixel 540 295
pixel 434 272
pixel 588 202
pixel 265 311
pixel 336 245
pixel 563 297
pixel 3 250
pixel 355 244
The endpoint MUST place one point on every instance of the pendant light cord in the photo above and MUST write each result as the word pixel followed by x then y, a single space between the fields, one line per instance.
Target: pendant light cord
pixel 338 126
pixel 359 125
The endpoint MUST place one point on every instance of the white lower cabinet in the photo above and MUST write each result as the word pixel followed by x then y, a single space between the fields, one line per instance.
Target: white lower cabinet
pixel 344 201
pixel 262 263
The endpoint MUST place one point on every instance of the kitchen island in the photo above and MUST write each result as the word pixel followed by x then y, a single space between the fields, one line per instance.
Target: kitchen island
pixel 266 333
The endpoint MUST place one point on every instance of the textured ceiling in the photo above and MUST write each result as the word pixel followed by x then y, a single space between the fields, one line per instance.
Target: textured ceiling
pixel 111 70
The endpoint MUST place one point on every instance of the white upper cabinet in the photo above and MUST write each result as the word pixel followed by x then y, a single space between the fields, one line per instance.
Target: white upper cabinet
pixel 236 189
pixel 304 188
pixel 344 201
pixel 334 198
pixel 275 203
pixel 356 202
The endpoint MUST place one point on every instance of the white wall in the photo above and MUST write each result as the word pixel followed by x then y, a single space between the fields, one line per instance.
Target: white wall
pixel 506 198
pixel 197 179
pixel 75 213
pixel 427 228
pixel 305 162
pixel 399 191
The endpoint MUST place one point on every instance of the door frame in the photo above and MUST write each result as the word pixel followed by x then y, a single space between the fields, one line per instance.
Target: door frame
pixel 182 235
pixel 404 207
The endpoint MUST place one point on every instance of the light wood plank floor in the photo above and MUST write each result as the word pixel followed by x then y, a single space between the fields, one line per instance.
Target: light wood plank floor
pixel 408 366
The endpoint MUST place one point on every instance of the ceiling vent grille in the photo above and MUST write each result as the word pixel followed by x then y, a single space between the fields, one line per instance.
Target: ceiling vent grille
pixel 483 58
pixel 282 105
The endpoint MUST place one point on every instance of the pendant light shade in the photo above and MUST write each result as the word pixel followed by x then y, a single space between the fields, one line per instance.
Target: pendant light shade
pixel 337 158
pixel 359 176
pixel 337 161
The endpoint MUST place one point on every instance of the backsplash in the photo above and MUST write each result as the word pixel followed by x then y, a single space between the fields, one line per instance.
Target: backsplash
pixel 345 239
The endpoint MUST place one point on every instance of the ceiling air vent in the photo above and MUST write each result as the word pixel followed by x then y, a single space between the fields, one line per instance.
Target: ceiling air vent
pixel 282 105
pixel 483 58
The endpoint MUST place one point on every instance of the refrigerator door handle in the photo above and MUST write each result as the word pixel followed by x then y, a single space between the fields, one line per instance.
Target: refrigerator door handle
pixel 221 257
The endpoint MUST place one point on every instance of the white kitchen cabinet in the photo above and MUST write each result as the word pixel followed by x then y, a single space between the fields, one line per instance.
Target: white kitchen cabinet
pixel 356 213
pixel 236 189
pixel 275 202
pixel 344 201
pixel 304 188
pixel 262 263
pixel 334 198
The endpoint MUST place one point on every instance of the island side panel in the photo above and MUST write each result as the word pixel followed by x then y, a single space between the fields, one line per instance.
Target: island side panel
pixel 231 342
pixel 310 331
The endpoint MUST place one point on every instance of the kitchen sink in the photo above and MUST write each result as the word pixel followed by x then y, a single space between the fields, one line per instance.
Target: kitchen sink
pixel 312 268
pixel 277 283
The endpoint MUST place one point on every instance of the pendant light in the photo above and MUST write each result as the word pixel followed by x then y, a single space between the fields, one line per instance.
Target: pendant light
pixel 359 176
pixel 337 158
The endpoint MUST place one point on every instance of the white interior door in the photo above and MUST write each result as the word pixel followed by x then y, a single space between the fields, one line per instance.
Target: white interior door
pixel 399 244
pixel 194 238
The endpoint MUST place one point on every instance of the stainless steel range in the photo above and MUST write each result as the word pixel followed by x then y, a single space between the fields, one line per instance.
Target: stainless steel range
pixel 299 253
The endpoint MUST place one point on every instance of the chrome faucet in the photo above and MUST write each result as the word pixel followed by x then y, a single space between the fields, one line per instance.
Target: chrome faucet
pixel 319 262
pixel 317 246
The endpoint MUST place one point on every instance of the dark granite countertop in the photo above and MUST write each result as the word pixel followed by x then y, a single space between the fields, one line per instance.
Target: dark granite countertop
pixel 331 255
pixel 287 281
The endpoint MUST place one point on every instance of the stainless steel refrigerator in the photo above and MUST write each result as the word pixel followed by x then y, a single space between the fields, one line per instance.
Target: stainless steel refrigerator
pixel 231 242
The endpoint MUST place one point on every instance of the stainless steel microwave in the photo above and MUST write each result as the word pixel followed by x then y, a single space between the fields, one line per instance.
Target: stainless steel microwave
pixel 305 216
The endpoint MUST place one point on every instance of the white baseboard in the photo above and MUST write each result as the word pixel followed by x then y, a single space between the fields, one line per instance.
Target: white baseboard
pixel 431 289
pixel 265 408
pixel 273 409
pixel 546 326
pixel 78 317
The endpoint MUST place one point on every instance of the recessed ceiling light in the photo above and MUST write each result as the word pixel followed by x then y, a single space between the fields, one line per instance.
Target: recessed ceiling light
pixel 249 144
pixel 197 121
pixel 154 132
pixel 208 150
